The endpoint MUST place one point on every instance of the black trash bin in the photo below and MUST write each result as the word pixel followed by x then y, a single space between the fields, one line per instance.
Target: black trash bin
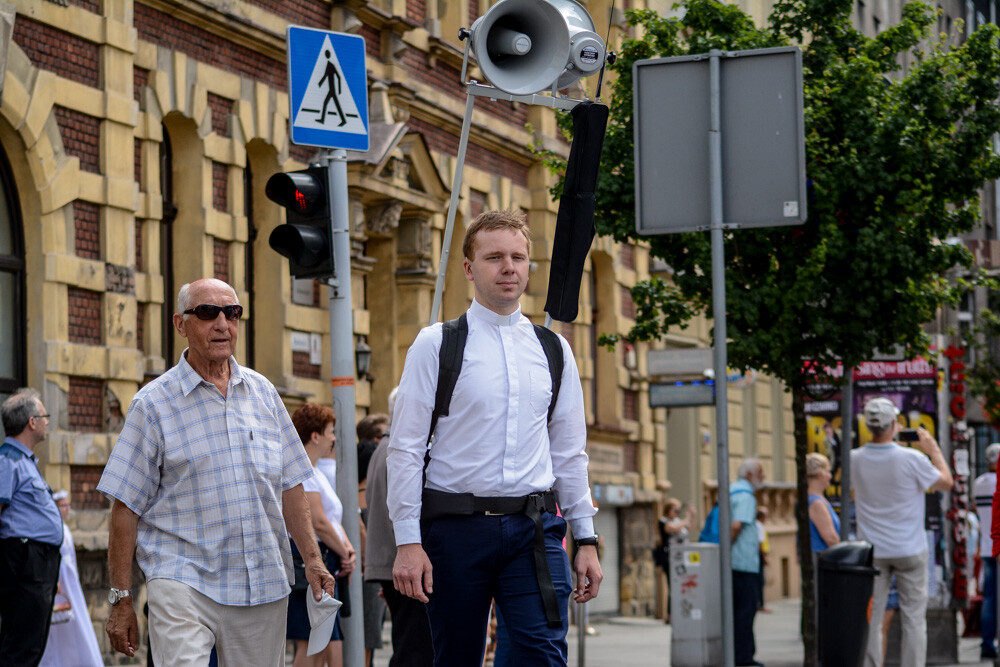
pixel 846 580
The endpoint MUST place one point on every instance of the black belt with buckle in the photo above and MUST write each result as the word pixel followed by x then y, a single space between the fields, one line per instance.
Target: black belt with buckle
pixel 437 504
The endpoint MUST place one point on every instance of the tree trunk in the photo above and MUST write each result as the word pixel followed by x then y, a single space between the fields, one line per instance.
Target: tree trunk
pixel 809 639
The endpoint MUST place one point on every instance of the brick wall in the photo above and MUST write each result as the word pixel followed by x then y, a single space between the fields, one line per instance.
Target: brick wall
pixel 86 230
pixel 140 327
pixel 301 366
pixel 630 404
pixel 86 404
pixel 447 79
pixel 628 305
pixel 90 5
pixel 373 41
pixel 137 161
pixel 220 259
pixel 476 156
pixel 83 481
pixel 304 154
pixel 626 253
pixel 416 10
pixel 139 259
pixel 312 13
pixel 222 108
pixel 160 28
pixel 58 51
pixel 473 11
pixel 119 279
pixel 220 186
pixel 140 79
pixel 84 316
pixel 81 135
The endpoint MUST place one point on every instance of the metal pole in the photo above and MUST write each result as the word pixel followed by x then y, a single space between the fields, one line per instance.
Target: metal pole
pixel 581 634
pixel 721 361
pixel 449 227
pixel 846 442
pixel 342 374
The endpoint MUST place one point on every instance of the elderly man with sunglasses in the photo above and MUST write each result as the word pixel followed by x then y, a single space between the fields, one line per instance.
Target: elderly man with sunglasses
pixel 206 478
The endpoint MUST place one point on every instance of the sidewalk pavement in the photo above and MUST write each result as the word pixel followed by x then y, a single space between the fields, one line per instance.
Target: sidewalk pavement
pixel 645 642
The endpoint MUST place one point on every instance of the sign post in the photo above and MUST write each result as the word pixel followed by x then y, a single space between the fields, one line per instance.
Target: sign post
pixel 690 111
pixel 328 102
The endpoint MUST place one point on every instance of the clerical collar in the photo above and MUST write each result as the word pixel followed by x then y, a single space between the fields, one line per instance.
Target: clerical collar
pixel 485 314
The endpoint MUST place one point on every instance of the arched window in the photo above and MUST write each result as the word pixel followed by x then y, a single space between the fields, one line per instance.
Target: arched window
pixel 12 313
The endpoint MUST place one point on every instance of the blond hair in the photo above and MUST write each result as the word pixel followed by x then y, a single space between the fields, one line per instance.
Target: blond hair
pixel 816 463
pixel 488 221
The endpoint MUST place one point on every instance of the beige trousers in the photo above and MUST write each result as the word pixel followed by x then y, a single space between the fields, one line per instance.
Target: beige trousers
pixel 184 625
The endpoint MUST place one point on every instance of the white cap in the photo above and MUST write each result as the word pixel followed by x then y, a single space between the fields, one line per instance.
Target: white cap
pixel 880 413
pixel 993 453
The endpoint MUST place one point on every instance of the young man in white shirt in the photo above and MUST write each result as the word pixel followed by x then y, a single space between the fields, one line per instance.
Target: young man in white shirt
pixel 889 485
pixel 462 541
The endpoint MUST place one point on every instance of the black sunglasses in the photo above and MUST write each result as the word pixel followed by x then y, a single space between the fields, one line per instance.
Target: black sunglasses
pixel 209 311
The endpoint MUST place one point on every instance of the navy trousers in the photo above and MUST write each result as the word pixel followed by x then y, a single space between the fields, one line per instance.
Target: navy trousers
pixel 480 558
pixel 29 575
pixel 745 592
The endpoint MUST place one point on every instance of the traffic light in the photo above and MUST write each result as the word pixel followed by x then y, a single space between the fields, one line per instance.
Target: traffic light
pixel 305 237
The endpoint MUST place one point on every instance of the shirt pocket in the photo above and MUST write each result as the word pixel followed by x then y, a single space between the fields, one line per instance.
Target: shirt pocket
pixel 540 393
pixel 265 455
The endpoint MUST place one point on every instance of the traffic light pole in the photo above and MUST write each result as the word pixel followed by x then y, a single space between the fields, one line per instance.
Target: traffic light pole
pixel 342 379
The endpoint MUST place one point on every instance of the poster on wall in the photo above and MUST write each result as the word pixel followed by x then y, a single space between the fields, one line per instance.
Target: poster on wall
pixel 911 385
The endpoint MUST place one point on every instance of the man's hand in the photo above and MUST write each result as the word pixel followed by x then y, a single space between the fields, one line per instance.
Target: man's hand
pixel 348 565
pixel 319 578
pixel 123 628
pixel 926 442
pixel 411 574
pixel 588 574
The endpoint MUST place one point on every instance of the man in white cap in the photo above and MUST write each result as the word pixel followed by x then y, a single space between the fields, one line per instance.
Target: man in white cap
pixel 982 490
pixel 889 485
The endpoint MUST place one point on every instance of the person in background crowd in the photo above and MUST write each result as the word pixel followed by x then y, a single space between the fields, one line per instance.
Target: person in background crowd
pixel 983 489
pixel 73 642
pixel 370 431
pixel 889 485
pixel 314 424
pixel 498 466
pixel 765 550
pixel 31 532
pixel 411 632
pixel 206 478
pixel 746 557
pixel 824 524
pixel 673 530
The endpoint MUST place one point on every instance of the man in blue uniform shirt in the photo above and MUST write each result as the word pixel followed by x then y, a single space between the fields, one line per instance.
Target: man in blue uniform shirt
pixel 479 524
pixel 30 534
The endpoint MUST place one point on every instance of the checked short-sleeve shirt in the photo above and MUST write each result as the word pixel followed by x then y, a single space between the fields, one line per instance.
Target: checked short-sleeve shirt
pixel 205 473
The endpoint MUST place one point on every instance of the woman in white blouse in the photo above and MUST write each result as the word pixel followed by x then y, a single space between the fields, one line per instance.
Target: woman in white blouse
pixel 314 424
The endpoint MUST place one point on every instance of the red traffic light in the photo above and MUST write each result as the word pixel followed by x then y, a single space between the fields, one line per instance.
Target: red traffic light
pixel 302 192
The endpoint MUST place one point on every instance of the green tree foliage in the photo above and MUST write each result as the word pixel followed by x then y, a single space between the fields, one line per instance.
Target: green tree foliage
pixel 894 159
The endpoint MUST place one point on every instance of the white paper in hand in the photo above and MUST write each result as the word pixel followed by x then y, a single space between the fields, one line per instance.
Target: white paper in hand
pixel 322 616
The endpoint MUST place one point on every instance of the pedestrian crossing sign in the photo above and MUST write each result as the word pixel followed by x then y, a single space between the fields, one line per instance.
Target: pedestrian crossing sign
pixel 327 89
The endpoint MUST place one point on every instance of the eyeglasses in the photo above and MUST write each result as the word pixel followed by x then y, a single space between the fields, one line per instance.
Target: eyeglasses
pixel 39 417
pixel 209 311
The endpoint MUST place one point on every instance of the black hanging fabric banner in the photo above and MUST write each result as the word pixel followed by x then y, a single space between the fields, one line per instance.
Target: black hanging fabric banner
pixel 575 220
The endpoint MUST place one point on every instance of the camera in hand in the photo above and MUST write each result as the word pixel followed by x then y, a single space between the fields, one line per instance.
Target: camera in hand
pixel 908 435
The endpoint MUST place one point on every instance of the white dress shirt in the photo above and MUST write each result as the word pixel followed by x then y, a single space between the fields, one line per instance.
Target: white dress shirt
pixel 495 440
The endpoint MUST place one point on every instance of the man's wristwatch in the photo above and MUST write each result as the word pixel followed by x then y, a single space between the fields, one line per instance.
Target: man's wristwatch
pixel 116 595
pixel 586 541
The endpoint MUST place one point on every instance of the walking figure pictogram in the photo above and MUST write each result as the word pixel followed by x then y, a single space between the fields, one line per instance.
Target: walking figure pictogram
pixel 332 74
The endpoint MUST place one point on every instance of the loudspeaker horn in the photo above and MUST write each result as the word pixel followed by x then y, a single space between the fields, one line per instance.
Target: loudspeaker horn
pixel 526 46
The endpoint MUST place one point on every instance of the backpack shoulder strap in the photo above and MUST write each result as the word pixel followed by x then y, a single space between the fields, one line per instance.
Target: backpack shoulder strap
pixel 554 354
pixel 454 333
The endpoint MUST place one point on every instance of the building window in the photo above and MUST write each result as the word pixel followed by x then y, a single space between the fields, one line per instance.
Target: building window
pixel 12 307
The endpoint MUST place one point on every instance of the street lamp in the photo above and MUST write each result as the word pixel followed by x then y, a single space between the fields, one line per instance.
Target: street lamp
pixel 362 359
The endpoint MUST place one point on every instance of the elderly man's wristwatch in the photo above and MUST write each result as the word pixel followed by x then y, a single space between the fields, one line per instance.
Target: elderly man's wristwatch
pixel 116 595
